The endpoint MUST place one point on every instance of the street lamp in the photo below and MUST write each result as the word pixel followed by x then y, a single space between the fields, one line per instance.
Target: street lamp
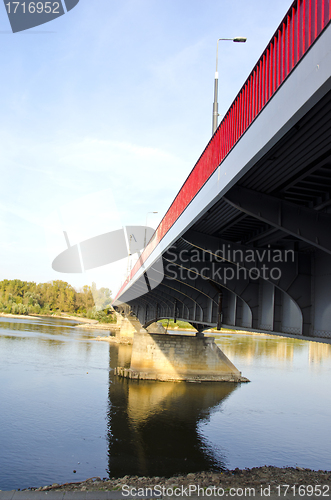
pixel 146 226
pixel 238 39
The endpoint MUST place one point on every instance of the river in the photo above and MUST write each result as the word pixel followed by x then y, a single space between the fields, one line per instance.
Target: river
pixel 65 417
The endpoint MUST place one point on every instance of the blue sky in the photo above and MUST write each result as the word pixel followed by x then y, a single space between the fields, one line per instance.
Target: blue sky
pixel 104 112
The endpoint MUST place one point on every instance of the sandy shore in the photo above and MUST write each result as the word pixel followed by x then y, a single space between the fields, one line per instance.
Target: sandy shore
pixel 37 316
pixel 18 316
pixel 115 340
pixel 83 322
pixel 100 326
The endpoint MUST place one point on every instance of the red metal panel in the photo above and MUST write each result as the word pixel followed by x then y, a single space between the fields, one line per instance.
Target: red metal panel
pixel 283 61
pixel 228 132
pixel 256 90
pixel 303 26
pixel 279 55
pixel 254 93
pixel 226 135
pixel 307 24
pixel 252 103
pixel 319 18
pixel 243 109
pixel 309 11
pixel 257 84
pixel 249 102
pixel 228 122
pixel 221 143
pixel 240 128
pixel 233 125
pixel 275 83
pixel 263 96
pixel 217 147
pixel 326 12
pixel 225 140
pixel 295 39
pixel 299 30
pixel 322 14
pixel 246 105
pixel 235 121
pixel 292 39
pixel 260 86
pixel 271 70
pixel 239 117
pixel 267 75
pixel 287 44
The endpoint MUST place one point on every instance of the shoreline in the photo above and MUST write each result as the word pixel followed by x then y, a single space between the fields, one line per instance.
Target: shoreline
pixel 57 316
pixel 85 322
pixel 255 477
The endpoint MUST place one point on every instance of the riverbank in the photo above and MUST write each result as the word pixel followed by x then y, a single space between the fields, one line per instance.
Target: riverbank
pixel 256 477
pixel 56 316
pixel 84 322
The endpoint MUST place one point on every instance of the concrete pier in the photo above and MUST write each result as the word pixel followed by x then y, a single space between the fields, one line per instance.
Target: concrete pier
pixel 178 358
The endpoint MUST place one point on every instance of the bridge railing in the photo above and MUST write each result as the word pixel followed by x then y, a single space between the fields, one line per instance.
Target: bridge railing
pixel 301 26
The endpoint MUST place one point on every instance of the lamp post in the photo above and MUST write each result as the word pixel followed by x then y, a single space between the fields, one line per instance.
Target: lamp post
pixel 146 226
pixel 238 39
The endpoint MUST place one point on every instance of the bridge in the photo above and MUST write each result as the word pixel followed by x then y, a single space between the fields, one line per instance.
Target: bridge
pixel 246 243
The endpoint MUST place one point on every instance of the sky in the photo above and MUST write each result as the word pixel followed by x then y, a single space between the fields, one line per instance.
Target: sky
pixel 104 112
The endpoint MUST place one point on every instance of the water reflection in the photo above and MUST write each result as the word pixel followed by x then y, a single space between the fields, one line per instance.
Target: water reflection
pixel 257 346
pixel 53 393
pixel 62 409
pixel 153 426
pixel 318 353
pixel 45 332
pixel 36 324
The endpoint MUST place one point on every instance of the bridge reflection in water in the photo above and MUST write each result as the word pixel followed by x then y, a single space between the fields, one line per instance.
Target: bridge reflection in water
pixel 153 426
pixel 161 428
pixel 251 347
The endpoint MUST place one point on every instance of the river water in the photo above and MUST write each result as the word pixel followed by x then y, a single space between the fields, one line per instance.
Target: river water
pixel 65 417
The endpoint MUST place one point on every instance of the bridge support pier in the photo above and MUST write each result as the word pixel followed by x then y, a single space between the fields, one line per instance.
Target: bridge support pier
pixel 126 328
pixel 179 358
pixel 128 325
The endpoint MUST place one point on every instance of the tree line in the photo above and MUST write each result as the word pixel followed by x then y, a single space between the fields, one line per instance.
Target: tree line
pixel 28 297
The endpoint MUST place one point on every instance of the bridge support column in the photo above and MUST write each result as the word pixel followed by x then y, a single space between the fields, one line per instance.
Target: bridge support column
pixel 128 325
pixel 126 328
pixel 179 358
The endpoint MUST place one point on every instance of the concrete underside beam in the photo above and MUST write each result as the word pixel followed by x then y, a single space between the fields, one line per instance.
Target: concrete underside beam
pixel 304 223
